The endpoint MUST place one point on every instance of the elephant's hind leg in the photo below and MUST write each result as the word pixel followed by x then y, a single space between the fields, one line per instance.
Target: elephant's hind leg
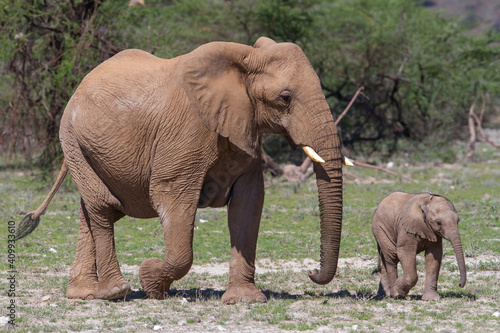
pixel 95 272
pixel 83 282
pixel 384 285
pixel 112 284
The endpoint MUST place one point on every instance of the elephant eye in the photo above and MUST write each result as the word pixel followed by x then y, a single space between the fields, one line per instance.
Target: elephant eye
pixel 286 96
pixel 438 223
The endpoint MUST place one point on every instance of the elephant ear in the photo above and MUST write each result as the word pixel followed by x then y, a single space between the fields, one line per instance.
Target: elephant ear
pixel 413 218
pixel 263 41
pixel 214 78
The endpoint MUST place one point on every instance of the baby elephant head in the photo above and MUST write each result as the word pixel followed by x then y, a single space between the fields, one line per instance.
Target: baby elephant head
pixel 430 216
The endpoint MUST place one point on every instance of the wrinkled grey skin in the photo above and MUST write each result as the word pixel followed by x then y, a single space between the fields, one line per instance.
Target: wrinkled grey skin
pixel 406 224
pixel 147 137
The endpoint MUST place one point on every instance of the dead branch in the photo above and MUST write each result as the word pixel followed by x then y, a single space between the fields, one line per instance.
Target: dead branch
pixel 472 131
pixel 348 106
pixel 481 132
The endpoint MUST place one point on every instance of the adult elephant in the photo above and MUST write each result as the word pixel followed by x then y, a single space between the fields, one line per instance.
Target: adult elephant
pixel 148 137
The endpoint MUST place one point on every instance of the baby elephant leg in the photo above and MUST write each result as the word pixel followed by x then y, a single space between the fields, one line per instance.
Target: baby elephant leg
pixel 388 276
pixel 407 256
pixel 433 257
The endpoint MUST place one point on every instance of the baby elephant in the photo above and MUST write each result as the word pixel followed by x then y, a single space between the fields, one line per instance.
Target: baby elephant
pixel 406 224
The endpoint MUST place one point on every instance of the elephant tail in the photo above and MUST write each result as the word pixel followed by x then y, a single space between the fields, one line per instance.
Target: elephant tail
pixel 30 221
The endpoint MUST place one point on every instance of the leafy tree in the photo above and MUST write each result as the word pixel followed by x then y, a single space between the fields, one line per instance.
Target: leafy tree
pixel 50 46
pixel 420 73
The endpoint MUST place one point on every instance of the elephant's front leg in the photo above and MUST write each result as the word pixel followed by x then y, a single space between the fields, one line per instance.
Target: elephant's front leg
pixel 433 257
pixel 177 214
pixel 407 257
pixel 244 213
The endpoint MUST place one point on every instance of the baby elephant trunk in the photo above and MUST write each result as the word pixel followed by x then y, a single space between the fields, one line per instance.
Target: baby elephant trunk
pixel 454 239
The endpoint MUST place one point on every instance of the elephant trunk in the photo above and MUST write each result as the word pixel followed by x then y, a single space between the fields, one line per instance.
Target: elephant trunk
pixel 454 239
pixel 329 181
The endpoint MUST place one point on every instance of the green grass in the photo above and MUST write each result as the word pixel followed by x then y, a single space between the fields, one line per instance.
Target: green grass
pixel 289 233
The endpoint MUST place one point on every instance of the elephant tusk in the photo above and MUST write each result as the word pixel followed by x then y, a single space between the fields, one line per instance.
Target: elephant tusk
pixel 312 154
pixel 347 161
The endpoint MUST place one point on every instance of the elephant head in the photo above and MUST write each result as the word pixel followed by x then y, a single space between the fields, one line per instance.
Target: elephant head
pixel 241 92
pixel 430 216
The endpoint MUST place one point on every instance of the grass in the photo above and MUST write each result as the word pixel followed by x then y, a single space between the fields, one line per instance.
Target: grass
pixel 288 245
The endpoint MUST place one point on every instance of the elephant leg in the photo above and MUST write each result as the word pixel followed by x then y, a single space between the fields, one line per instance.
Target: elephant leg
pixel 433 257
pixel 384 285
pixel 389 274
pixel 244 213
pixel 95 272
pixel 83 282
pixel 407 256
pixel 177 219
pixel 112 284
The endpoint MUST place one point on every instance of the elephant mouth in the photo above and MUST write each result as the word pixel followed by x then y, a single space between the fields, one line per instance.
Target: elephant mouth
pixel 311 153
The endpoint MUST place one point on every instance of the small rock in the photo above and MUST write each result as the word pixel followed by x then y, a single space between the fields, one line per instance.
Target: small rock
pixel 220 328
pixel 182 323
pixel 486 197
pixel 157 328
pixel 53 305
pixel 197 320
pixel 496 314
pixel 46 298
pixel 354 327
pixel 203 221
pixel 52 250
pixel 390 165
pixel 184 301
pixel 4 320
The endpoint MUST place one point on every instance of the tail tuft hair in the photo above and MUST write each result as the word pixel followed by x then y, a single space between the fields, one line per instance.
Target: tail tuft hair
pixel 26 226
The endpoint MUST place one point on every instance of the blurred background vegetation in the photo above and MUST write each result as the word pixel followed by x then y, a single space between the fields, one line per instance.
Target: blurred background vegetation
pixel 422 70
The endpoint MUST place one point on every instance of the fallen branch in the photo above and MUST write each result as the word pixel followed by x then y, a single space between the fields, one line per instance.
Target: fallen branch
pixel 348 174
pixel 366 165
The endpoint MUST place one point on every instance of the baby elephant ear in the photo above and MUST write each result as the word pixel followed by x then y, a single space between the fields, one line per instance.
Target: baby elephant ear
pixel 214 79
pixel 413 218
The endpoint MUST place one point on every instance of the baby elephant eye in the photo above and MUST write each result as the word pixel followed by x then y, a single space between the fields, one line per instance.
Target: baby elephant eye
pixel 438 222
pixel 286 96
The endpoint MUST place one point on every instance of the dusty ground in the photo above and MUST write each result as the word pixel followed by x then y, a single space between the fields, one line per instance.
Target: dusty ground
pixel 339 308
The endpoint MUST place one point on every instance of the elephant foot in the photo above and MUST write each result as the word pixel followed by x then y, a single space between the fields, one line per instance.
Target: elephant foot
pixel 82 289
pixel 113 290
pixel 398 294
pixel 152 279
pixel 431 296
pixel 92 289
pixel 247 294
